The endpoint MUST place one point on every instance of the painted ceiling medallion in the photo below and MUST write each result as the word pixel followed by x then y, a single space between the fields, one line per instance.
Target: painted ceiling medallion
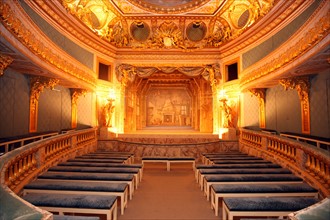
pixel 168 6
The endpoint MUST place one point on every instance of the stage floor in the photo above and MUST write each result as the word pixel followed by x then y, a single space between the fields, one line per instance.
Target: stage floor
pixel 175 130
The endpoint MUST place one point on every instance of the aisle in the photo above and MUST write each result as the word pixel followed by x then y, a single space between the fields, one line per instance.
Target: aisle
pixel 170 195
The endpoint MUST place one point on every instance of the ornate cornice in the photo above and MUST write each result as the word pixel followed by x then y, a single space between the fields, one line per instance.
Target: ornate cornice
pixel 299 46
pixel 39 46
pixel 259 93
pixel 5 61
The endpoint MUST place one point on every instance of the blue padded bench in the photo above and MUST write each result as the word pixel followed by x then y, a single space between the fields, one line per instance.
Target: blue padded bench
pixel 219 191
pixel 135 171
pixel 202 172
pixel 130 156
pixel 239 161
pixel 124 159
pixel 97 160
pixel 74 217
pixel 91 177
pixel 67 203
pixel 85 164
pixel 248 179
pixel 169 160
pixel 264 206
pixel 80 188
pixel 319 211
pixel 234 166
pixel 209 160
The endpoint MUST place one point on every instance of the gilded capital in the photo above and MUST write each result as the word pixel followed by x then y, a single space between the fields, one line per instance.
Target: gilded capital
pixel 76 93
pixel 5 61
pixel 38 84
pixel 301 84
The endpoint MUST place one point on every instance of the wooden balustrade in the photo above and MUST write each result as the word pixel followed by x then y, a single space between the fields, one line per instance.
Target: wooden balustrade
pixel 310 163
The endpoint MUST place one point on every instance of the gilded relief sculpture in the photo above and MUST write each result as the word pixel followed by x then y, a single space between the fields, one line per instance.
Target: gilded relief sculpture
pixel 108 111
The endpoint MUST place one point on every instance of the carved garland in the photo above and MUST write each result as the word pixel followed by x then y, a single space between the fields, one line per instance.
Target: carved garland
pixel 37 85
pixel 261 95
pixel 302 85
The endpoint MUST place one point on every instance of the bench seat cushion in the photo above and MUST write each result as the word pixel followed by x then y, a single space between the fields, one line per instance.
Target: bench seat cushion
pixel 235 166
pixel 263 188
pixel 84 164
pixel 182 158
pixel 87 176
pixel 154 158
pixel 239 161
pixel 269 204
pixel 246 171
pixel 252 178
pixel 97 160
pixel 77 186
pixel 104 157
pixel 70 200
pixel 72 217
pixel 233 158
pixel 94 169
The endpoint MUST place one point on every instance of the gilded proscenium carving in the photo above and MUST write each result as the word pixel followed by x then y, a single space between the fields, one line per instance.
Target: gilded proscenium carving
pixel 43 50
pixel 75 94
pixel 288 55
pixel 302 85
pixel 261 95
pixel 126 73
pixel 37 85
pixel 5 61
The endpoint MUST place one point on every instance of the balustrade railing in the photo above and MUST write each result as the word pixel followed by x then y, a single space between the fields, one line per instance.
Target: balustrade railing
pixel 9 145
pixel 20 166
pixel 310 163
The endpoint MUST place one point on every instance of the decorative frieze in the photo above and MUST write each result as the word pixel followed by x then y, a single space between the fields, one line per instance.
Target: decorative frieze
pixel 302 85
pixel 261 95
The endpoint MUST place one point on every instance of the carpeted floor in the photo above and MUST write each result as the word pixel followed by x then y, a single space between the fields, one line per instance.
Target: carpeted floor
pixel 172 195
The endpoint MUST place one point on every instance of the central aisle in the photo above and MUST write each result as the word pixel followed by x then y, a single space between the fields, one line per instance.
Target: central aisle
pixel 169 195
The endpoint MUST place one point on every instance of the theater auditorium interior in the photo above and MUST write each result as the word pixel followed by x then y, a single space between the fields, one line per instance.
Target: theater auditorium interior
pixel 164 109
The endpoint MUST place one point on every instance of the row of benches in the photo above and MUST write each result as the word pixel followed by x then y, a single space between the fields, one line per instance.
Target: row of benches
pixel 89 184
pixel 244 185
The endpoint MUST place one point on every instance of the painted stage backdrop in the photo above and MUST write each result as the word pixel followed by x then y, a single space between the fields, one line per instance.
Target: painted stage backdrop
pixel 169 107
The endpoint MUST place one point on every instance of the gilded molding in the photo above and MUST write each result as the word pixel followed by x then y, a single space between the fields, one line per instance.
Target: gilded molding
pixel 302 85
pixel 75 94
pixel 5 61
pixel 261 95
pixel 37 85
pixel 41 49
pixel 287 55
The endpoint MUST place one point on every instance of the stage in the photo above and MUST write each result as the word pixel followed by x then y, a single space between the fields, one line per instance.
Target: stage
pixel 168 141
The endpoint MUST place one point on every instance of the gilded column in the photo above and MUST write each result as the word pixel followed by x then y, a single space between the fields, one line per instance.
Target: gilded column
pixel 5 61
pixel 261 95
pixel 75 94
pixel 37 85
pixel 302 85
